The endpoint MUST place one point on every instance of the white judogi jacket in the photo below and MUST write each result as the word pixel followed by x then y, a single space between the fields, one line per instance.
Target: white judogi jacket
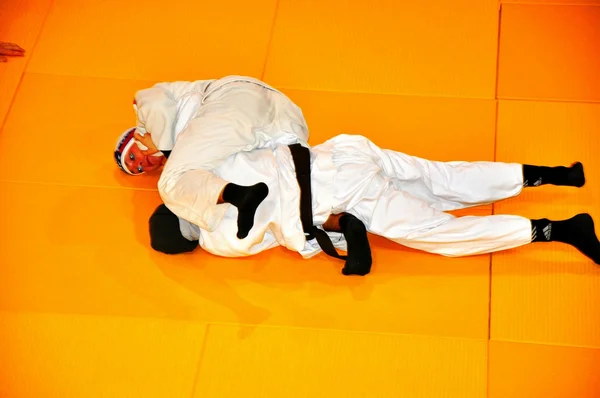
pixel 203 123
pixel 277 220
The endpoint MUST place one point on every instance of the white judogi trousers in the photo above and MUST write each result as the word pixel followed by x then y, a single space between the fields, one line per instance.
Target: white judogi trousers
pixel 400 197
pixel 404 198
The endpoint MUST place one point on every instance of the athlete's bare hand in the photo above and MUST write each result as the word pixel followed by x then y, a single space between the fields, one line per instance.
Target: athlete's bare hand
pixel 10 50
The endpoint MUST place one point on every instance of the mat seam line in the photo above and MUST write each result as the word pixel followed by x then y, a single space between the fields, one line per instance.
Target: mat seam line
pixel 200 357
pixel 270 42
pixel 549 100
pixel 404 95
pixel 183 321
pixel 531 3
pixel 27 62
pixel 491 260
pixel 351 331
pixel 65 184
pixel 93 76
pixel 282 87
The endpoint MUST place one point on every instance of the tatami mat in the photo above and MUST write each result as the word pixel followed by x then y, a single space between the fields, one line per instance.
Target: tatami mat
pixel 548 293
pixel 90 310
pixel 319 363
pixel 386 46
pixel 552 2
pixel 520 370
pixel 71 136
pixel 55 356
pixel 85 250
pixel 155 39
pixel 463 128
pixel 550 52
pixel 20 22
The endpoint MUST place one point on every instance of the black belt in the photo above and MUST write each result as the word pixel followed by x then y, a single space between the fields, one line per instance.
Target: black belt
pixel 301 156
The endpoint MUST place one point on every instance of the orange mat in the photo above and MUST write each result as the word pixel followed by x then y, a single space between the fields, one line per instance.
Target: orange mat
pixel 20 22
pixel 87 309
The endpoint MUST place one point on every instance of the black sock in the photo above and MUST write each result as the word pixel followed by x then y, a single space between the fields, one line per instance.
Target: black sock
pixel 534 176
pixel 165 234
pixel 577 231
pixel 359 259
pixel 246 199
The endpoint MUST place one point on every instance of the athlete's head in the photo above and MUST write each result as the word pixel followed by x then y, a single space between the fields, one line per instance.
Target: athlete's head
pixel 136 154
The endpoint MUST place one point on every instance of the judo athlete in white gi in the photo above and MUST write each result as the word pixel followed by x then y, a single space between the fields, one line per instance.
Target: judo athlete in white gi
pixel 356 184
pixel 197 126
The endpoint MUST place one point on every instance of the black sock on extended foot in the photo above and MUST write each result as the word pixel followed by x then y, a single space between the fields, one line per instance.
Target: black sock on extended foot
pixel 247 200
pixel 359 259
pixel 534 176
pixel 577 231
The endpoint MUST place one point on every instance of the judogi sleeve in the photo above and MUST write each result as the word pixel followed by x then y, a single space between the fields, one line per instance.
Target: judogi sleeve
pixel 156 109
pixel 187 185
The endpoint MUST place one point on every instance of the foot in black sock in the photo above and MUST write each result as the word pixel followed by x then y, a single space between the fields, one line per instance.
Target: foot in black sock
pixel 534 176
pixel 247 200
pixel 576 176
pixel 359 259
pixel 578 232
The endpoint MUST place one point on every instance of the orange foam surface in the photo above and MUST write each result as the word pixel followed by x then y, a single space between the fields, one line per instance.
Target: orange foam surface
pixel 88 309
pixel 522 370
pixel 550 52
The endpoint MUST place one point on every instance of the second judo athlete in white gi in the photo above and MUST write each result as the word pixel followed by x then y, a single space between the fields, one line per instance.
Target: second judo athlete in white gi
pixel 197 125
pixel 400 197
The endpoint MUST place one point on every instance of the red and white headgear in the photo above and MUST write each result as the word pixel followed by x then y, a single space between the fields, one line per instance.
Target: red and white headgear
pixel 122 150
